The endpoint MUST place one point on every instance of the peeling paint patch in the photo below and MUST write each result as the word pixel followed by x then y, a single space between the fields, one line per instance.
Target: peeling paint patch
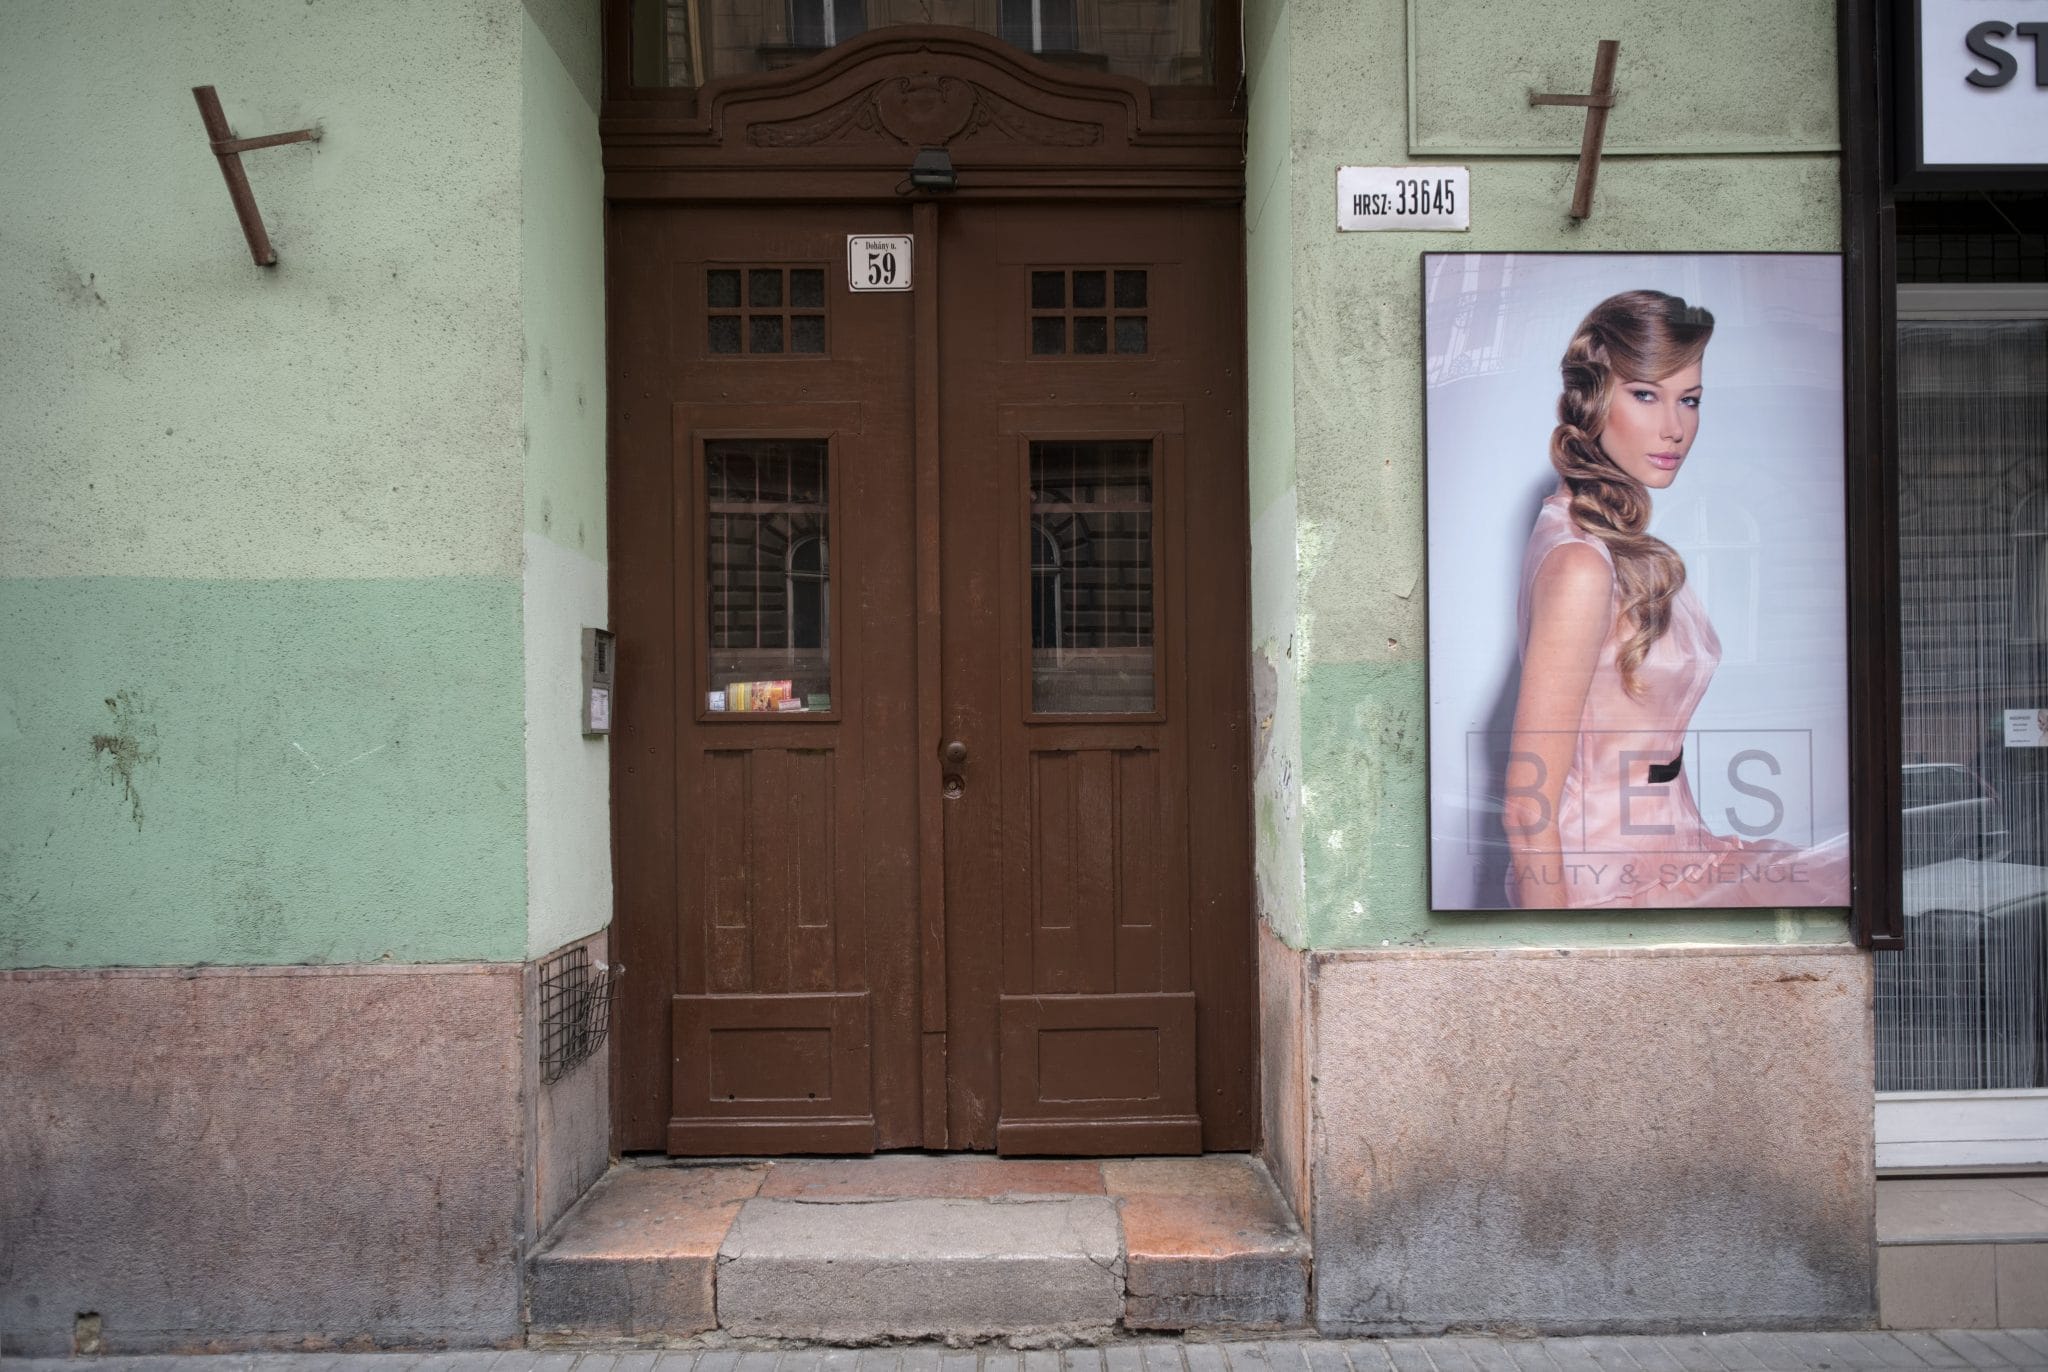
pixel 129 742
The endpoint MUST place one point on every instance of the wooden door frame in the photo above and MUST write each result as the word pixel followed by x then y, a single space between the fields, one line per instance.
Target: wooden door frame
pixel 843 128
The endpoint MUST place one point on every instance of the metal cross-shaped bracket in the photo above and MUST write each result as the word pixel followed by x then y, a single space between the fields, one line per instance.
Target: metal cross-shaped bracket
pixel 229 150
pixel 1597 103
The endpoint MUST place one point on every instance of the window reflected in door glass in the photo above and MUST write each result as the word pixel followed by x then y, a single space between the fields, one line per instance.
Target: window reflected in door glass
pixel 682 43
pixel 770 585
pixel 1091 578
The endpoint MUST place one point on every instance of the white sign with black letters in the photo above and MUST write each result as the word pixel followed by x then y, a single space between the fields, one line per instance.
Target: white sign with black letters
pixel 878 262
pixel 1983 83
pixel 1380 198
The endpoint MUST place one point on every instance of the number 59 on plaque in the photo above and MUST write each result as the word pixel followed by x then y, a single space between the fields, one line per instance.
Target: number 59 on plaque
pixel 878 263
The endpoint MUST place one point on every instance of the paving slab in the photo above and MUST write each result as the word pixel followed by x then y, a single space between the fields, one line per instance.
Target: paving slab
pixel 921 1268
pixel 637 1256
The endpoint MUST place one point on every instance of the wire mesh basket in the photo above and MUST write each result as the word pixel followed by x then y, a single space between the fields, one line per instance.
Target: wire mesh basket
pixel 575 1010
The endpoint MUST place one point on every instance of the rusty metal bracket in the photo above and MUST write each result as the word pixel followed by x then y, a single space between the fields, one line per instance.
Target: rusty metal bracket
pixel 1596 102
pixel 229 150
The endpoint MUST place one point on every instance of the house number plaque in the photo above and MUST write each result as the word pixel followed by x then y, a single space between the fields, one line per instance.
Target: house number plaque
pixel 878 263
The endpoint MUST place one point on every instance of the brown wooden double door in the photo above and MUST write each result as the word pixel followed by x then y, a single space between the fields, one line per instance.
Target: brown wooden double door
pixel 930 781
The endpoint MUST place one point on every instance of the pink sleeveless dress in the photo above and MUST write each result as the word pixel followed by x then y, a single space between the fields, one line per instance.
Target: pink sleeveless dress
pixel 1631 833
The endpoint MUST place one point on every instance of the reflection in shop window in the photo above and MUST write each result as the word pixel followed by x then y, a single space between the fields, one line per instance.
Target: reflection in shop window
pixel 2030 571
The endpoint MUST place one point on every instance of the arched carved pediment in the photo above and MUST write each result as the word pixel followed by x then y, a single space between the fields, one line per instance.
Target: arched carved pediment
pixel 926 112
pixel 854 115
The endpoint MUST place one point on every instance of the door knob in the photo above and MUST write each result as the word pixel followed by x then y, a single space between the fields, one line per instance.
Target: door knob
pixel 954 754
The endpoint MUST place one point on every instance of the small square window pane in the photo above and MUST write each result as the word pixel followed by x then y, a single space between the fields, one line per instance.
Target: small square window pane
pixel 722 288
pixel 1091 334
pixel 807 288
pixel 725 333
pixel 764 333
pixel 1048 290
pixel 1089 288
pixel 807 333
pixel 1048 336
pixel 1130 290
pixel 764 289
pixel 1130 333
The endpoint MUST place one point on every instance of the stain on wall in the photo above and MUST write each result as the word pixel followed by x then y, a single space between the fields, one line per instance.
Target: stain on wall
pixel 128 744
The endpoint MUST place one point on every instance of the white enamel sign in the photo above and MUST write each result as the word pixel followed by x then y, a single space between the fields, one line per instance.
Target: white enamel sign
pixel 1983 83
pixel 1381 198
pixel 2026 728
pixel 878 262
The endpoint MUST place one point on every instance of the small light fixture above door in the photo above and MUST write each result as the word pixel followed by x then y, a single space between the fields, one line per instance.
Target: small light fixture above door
pixel 932 170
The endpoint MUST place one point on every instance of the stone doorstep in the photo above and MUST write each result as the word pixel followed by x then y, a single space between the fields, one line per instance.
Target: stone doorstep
pixel 961 1247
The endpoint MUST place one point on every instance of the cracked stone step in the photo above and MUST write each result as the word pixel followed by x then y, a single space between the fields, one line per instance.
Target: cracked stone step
pixel 952 1268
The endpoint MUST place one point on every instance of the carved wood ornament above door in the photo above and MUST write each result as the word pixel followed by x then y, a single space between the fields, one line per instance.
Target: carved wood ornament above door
pixel 846 124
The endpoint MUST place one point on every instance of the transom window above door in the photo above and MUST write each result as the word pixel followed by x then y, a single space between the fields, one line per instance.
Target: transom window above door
pixel 684 43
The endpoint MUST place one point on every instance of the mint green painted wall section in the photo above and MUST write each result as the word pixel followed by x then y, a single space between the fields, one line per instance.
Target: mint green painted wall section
pixel 1353 432
pixel 259 771
pixel 326 532
pixel 1269 267
pixel 568 781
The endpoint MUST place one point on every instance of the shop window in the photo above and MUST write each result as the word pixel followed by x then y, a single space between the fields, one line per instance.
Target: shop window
pixel 767 511
pixel 1090 312
pixel 1962 1004
pixel 765 311
pixel 1092 578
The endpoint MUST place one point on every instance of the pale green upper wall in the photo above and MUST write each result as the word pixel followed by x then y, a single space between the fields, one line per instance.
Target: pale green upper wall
pixel 176 410
pixel 568 780
pixel 561 209
pixel 1355 426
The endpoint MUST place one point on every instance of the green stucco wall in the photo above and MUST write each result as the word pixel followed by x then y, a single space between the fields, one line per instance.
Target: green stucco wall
pixel 1337 469
pixel 263 586
pixel 568 782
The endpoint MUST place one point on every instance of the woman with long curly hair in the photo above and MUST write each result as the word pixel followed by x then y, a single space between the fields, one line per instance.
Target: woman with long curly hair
pixel 1617 651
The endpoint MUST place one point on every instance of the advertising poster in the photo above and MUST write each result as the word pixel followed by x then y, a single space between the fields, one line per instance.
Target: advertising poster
pixel 1637 648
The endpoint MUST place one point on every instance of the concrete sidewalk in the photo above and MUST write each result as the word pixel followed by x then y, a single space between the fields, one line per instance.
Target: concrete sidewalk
pixel 1760 1352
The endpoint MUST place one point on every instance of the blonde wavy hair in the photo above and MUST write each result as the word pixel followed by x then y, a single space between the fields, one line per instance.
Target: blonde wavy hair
pixel 1633 336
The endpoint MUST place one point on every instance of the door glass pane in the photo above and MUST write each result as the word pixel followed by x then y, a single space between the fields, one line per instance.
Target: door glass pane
pixel 688 42
pixel 1091 578
pixel 1963 1005
pixel 770 575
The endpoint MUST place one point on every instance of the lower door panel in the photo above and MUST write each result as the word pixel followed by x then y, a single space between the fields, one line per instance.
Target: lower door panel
pixel 772 1074
pixel 1099 1075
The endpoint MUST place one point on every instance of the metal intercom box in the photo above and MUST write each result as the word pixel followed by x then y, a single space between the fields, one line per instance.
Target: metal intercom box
pixel 599 659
